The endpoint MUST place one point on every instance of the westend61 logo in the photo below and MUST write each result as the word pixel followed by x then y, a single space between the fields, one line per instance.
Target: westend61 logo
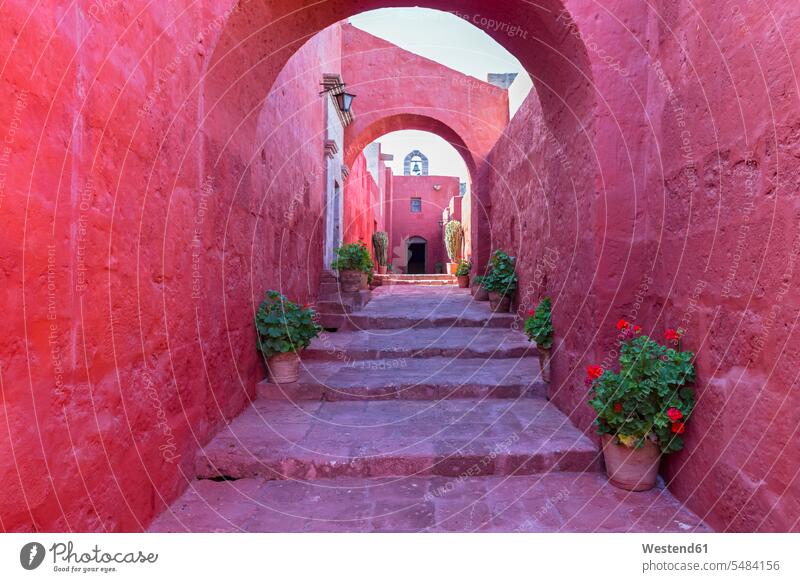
pixel 66 559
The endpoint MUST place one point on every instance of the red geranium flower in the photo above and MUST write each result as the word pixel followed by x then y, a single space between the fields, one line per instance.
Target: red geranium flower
pixel 617 407
pixel 594 372
pixel 672 335
pixel 622 324
pixel 678 427
pixel 637 329
pixel 531 312
pixel 674 414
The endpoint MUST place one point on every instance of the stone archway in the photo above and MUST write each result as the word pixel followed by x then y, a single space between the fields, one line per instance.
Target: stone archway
pixel 260 36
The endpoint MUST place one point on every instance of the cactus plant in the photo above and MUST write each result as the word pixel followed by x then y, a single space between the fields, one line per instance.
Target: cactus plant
pixel 380 244
pixel 453 239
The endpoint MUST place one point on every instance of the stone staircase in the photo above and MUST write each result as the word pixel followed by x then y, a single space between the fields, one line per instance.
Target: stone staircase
pixel 404 279
pixel 334 306
pixel 427 413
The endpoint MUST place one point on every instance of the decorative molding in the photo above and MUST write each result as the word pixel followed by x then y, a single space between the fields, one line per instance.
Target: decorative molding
pixel 331 148
pixel 345 171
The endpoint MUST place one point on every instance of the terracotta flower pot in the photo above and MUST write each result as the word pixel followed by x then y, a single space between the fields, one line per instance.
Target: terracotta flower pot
pixel 284 368
pixel 631 469
pixel 481 294
pixel 382 269
pixel 544 363
pixel 452 268
pixel 499 303
pixel 349 281
pixel 463 281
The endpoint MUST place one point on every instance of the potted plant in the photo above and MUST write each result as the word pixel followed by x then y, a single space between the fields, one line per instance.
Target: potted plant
pixel 380 245
pixel 500 281
pixel 642 410
pixel 539 328
pixel 462 273
pixel 481 294
pixel 453 241
pixel 284 329
pixel 349 260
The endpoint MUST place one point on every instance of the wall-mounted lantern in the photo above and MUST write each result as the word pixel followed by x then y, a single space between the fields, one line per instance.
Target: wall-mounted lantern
pixel 344 100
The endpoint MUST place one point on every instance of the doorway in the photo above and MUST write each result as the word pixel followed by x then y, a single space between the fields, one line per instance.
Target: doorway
pixel 417 250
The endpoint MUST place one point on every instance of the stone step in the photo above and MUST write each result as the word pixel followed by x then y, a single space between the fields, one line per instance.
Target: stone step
pixel 398 307
pixel 363 319
pixel 454 342
pixel 555 502
pixel 417 277
pixel 411 379
pixel 328 289
pixel 333 307
pixel 422 282
pixel 313 440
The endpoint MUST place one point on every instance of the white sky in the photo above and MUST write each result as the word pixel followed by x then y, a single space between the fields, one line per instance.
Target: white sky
pixel 455 43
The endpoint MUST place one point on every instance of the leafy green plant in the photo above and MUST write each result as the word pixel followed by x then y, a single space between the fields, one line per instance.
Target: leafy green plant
pixel 453 239
pixel 501 278
pixel 650 397
pixel 478 280
pixel 284 326
pixel 353 257
pixel 380 245
pixel 539 325
pixel 464 267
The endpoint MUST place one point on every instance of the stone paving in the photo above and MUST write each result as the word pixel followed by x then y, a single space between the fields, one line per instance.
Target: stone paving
pixel 434 426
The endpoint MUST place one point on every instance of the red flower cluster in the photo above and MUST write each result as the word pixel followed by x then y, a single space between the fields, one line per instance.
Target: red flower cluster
pixel 531 312
pixel 627 329
pixel 672 335
pixel 594 372
pixel 617 407
pixel 675 417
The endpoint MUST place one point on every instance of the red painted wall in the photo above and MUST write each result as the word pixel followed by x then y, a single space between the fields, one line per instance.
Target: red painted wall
pixel 362 202
pixel 405 224
pixel 721 229
pixel 129 276
pixel 692 222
